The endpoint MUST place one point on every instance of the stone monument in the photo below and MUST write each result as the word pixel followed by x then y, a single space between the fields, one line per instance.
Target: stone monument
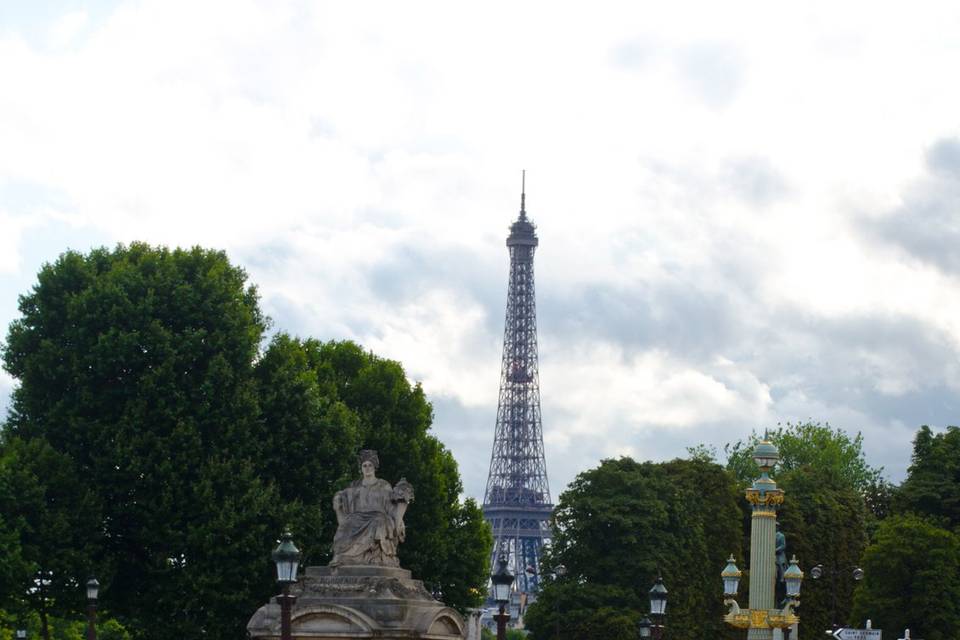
pixel 363 592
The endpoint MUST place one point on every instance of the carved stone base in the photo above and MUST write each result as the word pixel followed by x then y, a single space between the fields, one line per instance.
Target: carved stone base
pixel 360 602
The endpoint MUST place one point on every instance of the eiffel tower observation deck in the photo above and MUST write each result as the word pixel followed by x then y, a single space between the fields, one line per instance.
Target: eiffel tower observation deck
pixel 517 499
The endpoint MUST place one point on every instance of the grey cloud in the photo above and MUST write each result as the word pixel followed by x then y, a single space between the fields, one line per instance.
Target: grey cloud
pixel 844 370
pixel 689 322
pixel 412 270
pixel 468 433
pixel 754 180
pixel 927 225
pixel 944 157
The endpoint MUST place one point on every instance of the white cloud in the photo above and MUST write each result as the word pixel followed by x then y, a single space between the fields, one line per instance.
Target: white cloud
pixel 702 170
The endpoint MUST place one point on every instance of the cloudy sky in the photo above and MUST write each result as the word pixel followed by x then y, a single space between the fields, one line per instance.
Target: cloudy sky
pixel 748 212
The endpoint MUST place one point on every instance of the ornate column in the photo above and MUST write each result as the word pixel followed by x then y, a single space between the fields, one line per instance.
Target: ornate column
pixel 762 616
pixel 765 498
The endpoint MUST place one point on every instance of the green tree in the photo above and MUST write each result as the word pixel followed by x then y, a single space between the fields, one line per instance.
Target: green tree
pixel 135 366
pixel 56 522
pixel 824 522
pixel 141 369
pixel 618 525
pixel 932 487
pixel 832 452
pixel 912 580
pixel 448 542
pixel 832 499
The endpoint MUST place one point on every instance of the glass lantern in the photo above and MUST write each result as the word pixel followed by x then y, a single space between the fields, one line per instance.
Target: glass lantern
pixel 502 582
pixel 793 577
pixel 287 558
pixel 93 589
pixel 658 598
pixel 731 578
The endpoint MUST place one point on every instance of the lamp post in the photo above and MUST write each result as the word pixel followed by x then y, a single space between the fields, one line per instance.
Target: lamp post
pixel 287 558
pixel 93 590
pixel 762 616
pixel 817 572
pixel 502 581
pixel 559 572
pixel 21 634
pixel 658 607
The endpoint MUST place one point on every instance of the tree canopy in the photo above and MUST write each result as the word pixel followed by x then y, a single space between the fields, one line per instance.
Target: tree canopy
pixel 154 441
pixel 621 523
pixel 831 452
pixel 912 579
pixel 932 487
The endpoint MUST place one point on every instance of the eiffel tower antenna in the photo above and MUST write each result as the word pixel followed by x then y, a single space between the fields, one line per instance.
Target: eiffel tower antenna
pixel 517 498
pixel 523 194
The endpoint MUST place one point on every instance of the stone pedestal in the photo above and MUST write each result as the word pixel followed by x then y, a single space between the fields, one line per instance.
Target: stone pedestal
pixel 360 602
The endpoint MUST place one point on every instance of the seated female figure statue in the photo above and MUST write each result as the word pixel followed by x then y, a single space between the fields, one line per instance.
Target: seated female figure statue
pixel 370 517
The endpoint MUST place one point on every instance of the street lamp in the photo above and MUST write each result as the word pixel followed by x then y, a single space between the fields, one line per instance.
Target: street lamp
pixel 818 572
pixel 287 558
pixel 644 627
pixel 731 578
pixel 21 634
pixel 762 616
pixel 502 581
pixel 93 590
pixel 559 572
pixel 658 606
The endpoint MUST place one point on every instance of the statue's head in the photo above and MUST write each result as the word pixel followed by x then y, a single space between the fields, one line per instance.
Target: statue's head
pixel 368 456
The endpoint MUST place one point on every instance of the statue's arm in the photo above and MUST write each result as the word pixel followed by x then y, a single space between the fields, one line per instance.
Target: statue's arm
pixel 401 496
pixel 338 506
pixel 399 509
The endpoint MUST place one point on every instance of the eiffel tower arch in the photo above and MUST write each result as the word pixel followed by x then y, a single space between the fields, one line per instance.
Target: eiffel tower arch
pixel 517 501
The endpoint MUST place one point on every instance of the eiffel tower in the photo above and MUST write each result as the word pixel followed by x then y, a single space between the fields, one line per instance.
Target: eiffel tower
pixel 516 502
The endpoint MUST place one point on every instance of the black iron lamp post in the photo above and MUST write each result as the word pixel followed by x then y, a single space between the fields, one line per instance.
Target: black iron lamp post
pixel 818 572
pixel 93 590
pixel 502 581
pixel 658 607
pixel 559 572
pixel 287 558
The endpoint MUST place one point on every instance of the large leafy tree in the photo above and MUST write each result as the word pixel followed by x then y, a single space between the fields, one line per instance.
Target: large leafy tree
pixel 55 518
pixel 142 369
pixel 832 496
pixel 616 527
pixel 932 487
pixel 135 366
pixel 448 542
pixel 912 580
pixel 832 452
pixel 824 522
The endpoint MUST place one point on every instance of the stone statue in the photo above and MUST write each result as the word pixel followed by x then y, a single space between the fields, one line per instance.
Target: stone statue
pixel 781 550
pixel 370 518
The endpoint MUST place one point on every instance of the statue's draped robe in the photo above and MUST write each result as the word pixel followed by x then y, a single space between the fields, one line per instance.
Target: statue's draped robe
pixel 367 534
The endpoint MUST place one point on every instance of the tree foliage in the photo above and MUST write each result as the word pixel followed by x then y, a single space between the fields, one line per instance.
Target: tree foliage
pixel 912 580
pixel 829 489
pixel 618 525
pixel 824 523
pixel 932 487
pixel 151 441
pixel 835 456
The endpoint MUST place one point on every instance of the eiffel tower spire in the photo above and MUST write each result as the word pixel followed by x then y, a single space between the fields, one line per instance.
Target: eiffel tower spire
pixel 517 499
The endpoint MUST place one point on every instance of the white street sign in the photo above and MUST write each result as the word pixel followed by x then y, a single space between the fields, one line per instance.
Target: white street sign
pixel 857 634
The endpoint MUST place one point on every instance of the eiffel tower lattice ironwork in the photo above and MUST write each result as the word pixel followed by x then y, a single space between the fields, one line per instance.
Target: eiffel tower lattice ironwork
pixel 517 502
